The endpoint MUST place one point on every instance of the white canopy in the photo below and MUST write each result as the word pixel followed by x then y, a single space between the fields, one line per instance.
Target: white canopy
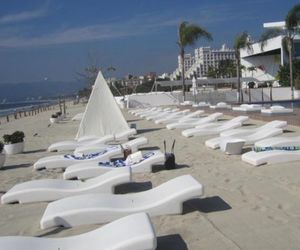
pixel 102 115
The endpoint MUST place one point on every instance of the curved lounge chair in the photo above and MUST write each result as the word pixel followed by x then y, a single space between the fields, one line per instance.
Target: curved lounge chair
pixel 101 208
pixel 163 114
pixel 179 117
pixel 221 105
pixel 54 189
pixel 215 128
pixel 90 170
pixel 248 108
pixel 114 235
pixel 155 112
pixel 195 122
pixel 102 154
pixel 234 145
pixel 214 143
pixel 274 150
pixel 277 110
pixel 72 144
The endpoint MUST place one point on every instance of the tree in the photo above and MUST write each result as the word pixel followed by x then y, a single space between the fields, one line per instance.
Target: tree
pixel 291 29
pixel 241 41
pixel 188 34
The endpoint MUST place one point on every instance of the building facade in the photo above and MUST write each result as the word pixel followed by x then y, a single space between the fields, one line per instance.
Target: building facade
pixel 204 57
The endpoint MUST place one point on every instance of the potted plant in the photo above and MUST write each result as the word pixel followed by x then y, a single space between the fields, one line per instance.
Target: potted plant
pixel 54 118
pixel 2 154
pixel 14 143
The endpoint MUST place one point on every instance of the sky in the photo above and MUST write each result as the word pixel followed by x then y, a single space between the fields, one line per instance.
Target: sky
pixel 56 39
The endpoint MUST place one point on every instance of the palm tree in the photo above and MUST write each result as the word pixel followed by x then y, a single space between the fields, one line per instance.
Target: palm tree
pixel 292 22
pixel 241 41
pixel 188 34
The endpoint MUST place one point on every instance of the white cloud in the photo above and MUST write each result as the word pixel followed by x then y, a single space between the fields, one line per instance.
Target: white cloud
pixel 25 15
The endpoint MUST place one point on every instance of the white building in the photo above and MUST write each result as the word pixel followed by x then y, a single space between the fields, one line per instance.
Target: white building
pixel 203 59
pixel 268 60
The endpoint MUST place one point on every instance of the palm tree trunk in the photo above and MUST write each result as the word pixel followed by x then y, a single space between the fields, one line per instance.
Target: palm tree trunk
pixel 182 73
pixel 238 80
pixel 249 95
pixel 290 45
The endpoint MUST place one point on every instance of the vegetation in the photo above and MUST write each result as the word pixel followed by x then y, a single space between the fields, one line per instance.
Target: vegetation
pixel 188 34
pixel 292 21
pixel 16 137
pixel 225 69
pixel 283 75
pixel 241 41
pixel 1 146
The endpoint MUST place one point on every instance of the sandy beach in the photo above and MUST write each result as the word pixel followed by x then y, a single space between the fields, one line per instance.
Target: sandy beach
pixel 244 207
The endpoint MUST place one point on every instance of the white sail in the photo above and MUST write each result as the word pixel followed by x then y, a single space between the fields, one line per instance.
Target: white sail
pixel 102 115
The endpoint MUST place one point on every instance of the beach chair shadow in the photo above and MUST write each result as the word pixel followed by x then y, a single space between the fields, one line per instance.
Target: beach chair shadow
pixel 133 187
pixel 150 148
pixel 171 242
pixel 143 131
pixel 35 151
pixel 10 167
pixel 52 232
pixel 206 205
pixel 158 168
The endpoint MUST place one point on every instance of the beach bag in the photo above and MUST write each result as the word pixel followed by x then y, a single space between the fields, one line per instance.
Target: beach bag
pixel 169 157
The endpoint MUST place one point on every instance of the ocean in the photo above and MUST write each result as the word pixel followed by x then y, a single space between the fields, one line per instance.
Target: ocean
pixel 11 108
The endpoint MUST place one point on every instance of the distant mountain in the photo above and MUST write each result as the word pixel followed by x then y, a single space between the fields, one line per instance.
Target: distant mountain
pixel 44 89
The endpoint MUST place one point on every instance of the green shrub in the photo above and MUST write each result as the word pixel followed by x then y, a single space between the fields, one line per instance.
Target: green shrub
pixel 1 146
pixel 17 136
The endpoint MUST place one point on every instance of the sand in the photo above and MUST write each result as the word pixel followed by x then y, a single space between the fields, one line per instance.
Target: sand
pixel 244 207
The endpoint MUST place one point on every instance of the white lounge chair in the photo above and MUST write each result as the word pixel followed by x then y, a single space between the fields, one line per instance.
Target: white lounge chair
pixel 164 114
pixel 103 154
pixel 248 108
pixel 274 150
pixel 179 117
pixel 155 112
pixel 277 110
pixel 101 208
pixel 115 235
pixel 234 145
pixel 133 145
pixel 54 189
pixel 142 164
pixel 215 128
pixel 214 143
pixel 186 103
pixel 221 105
pixel 160 114
pixel 77 117
pixel 72 144
pixel 201 105
pixel 197 121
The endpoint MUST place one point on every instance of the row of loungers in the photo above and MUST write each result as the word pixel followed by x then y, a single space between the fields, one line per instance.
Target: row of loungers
pixel 267 146
pixel 91 200
pixel 273 110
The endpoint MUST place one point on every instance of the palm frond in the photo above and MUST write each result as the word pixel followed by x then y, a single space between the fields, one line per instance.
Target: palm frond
pixel 268 34
pixel 241 41
pixel 292 19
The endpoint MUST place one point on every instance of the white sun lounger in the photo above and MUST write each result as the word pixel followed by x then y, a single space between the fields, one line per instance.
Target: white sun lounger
pixel 197 121
pixel 248 108
pixel 215 128
pixel 155 109
pixel 77 117
pixel 179 117
pixel 274 150
pixel 54 189
pixel 89 170
pixel 162 114
pixel 141 110
pixel 221 105
pixel 133 232
pixel 105 154
pixel 133 145
pixel 234 145
pixel 201 105
pixel 155 112
pixel 102 208
pixel 72 144
pixel 277 110
pixel 214 143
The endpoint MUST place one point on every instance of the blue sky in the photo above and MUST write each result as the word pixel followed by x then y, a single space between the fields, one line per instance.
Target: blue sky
pixel 56 38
